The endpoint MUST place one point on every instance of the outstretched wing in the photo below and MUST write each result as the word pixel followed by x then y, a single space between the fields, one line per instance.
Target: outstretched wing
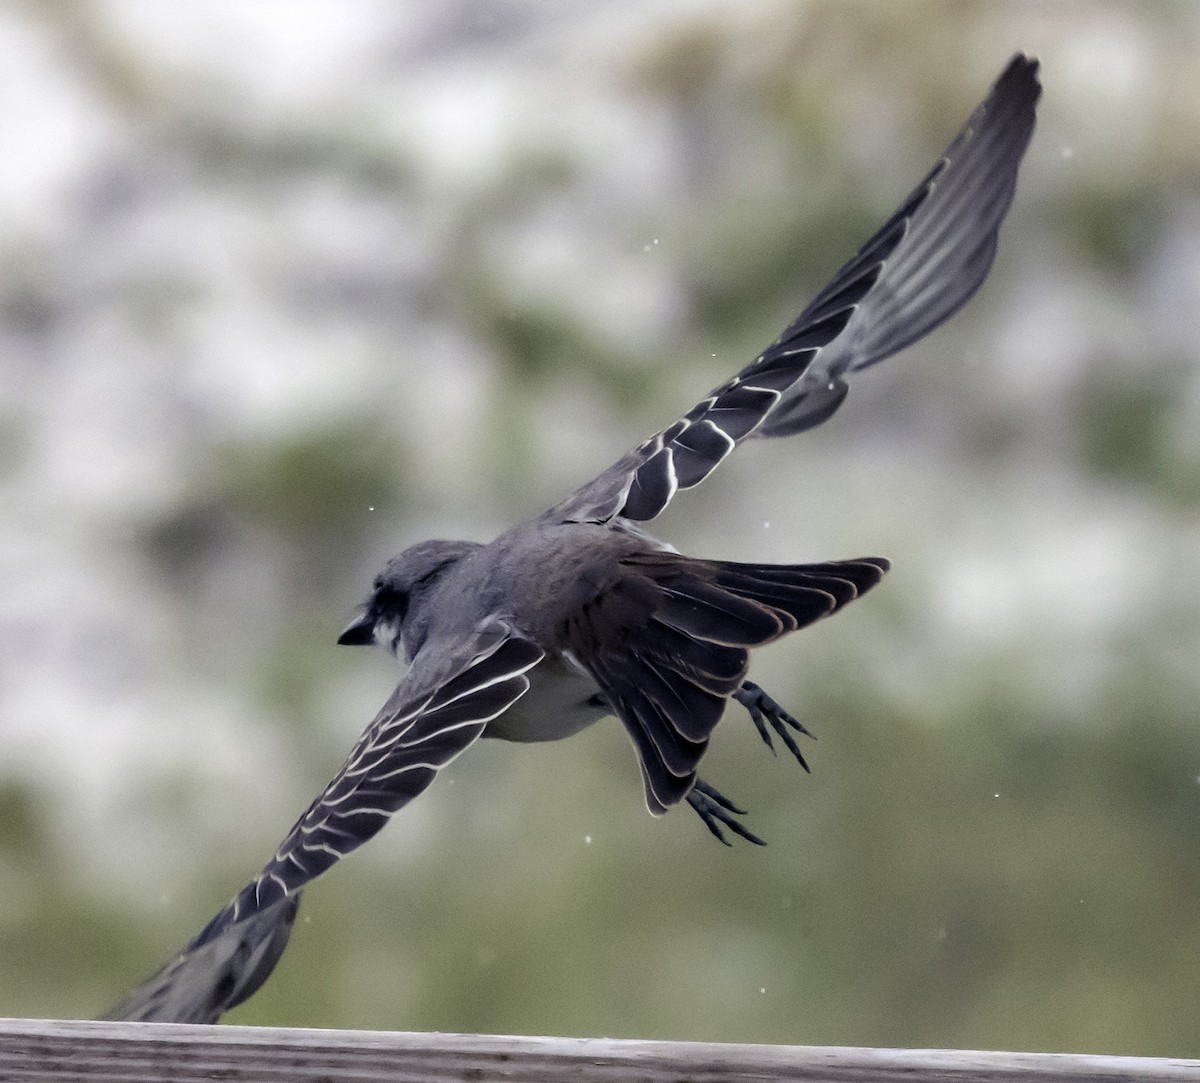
pixel 440 707
pixel 914 273
pixel 205 981
pixel 416 734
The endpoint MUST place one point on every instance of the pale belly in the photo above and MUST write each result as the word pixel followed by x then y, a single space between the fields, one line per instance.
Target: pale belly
pixel 561 701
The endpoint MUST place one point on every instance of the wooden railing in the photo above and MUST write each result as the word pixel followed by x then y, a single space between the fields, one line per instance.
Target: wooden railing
pixel 41 1051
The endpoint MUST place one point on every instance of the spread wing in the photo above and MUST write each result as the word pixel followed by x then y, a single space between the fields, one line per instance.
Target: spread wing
pixel 418 731
pixel 914 273
pixel 440 707
pixel 205 980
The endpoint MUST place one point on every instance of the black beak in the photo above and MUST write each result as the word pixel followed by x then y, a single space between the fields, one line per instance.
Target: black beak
pixel 359 633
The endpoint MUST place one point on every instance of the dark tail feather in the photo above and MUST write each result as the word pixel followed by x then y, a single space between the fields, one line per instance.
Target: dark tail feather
pixel 712 613
pixel 747 605
pixel 669 663
pixel 805 592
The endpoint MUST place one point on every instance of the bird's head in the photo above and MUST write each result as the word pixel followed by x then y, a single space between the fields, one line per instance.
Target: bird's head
pixel 382 616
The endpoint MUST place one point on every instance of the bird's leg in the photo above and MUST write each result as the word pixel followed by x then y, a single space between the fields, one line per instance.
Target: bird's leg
pixel 764 713
pixel 715 809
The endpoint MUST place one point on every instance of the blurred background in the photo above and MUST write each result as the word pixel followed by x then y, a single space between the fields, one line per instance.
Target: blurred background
pixel 287 286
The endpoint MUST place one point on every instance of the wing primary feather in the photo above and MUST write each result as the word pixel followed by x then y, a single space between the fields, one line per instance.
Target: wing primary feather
pixel 922 265
pixel 419 731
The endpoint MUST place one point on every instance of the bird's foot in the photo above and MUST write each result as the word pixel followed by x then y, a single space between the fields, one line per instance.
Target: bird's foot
pixel 717 811
pixel 767 715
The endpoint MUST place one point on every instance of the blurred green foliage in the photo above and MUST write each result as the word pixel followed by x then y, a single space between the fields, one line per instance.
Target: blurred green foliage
pixel 997 847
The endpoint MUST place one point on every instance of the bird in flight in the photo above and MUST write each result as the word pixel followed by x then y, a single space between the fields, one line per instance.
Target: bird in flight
pixel 580 613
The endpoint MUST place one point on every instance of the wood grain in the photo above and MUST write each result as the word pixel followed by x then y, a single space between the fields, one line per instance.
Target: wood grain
pixel 42 1051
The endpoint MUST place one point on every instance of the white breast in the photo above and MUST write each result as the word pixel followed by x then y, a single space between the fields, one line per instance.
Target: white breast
pixel 562 699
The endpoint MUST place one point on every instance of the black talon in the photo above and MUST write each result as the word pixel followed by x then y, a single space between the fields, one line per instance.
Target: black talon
pixel 764 712
pixel 715 809
pixel 717 796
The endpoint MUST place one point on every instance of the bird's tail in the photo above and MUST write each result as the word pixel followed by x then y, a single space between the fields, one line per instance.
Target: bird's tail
pixel 669 644
pixel 227 963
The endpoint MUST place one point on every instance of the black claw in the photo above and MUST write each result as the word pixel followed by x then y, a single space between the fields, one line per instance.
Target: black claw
pixel 716 795
pixel 765 712
pixel 760 723
pixel 712 806
pixel 713 827
pixel 716 810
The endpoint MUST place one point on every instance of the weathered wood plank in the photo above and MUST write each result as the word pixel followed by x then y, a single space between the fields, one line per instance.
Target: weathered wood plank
pixel 49 1051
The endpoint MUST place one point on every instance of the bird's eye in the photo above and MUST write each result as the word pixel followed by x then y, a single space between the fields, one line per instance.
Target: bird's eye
pixel 391 604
